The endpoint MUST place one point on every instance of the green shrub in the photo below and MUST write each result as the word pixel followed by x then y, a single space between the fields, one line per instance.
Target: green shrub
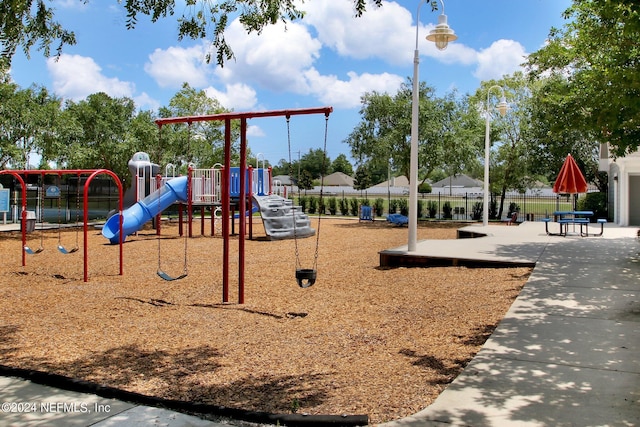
pixel 333 205
pixel 344 207
pixel 596 202
pixel 354 205
pixel 393 206
pixel 403 205
pixel 424 188
pixel 432 208
pixel 420 208
pixel 378 207
pixel 446 210
pixel 303 203
pixel 313 205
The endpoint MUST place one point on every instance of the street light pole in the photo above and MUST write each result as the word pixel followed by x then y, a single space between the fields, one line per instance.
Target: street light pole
pixel 502 108
pixel 441 35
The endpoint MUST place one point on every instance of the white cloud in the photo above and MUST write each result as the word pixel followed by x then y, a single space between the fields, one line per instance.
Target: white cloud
pixel 253 130
pixel 502 57
pixel 236 96
pixel 76 77
pixel 272 60
pixel 381 33
pixel 346 94
pixel 173 66
pixel 146 102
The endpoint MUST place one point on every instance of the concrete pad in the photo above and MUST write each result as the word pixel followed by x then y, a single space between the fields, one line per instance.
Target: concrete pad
pixel 143 416
pixel 28 404
pixel 502 393
pixel 592 302
pixel 583 342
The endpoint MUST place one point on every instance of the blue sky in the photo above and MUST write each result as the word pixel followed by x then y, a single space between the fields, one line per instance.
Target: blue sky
pixel 329 58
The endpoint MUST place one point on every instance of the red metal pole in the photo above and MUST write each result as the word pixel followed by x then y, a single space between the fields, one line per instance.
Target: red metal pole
pixel 225 210
pixel 243 207
pixel 86 218
pixel 189 202
pixel 248 199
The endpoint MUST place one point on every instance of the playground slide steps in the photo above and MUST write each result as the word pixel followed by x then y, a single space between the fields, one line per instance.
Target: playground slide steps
pixel 281 219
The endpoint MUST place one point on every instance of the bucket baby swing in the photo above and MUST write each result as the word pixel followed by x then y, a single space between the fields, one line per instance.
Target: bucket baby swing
pixel 306 277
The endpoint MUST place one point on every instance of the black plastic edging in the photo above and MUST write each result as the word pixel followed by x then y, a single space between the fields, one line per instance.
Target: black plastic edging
pixel 82 386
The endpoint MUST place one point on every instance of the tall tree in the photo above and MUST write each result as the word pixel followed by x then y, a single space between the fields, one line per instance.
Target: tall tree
pixel 384 132
pixel 201 142
pixel 99 136
pixel 342 164
pixel 508 167
pixel 598 50
pixel 316 162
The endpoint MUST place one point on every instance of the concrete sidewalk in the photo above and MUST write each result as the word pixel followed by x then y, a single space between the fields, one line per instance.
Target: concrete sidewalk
pixel 566 353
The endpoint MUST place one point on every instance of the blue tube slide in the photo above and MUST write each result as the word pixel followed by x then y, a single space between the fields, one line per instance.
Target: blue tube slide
pixel 174 190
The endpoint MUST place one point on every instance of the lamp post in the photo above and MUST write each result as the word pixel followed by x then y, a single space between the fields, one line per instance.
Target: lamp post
pixel 441 35
pixel 502 108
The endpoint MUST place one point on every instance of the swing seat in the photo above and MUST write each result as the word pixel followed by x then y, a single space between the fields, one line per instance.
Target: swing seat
pixel 306 277
pixel 30 251
pixel 168 278
pixel 66 251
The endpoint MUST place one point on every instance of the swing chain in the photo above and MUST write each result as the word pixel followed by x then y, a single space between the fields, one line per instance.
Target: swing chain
pixel 295 231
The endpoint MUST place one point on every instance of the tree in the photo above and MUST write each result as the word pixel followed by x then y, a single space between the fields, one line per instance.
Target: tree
pixel 384 132
pixel 25 23
pixel 316 162
pixel 306 181
pixel 97 134
pixel 550 139
pixel 598 50
pixel 201 142
pixel 342 164
pixel 508 170
pixel 362 179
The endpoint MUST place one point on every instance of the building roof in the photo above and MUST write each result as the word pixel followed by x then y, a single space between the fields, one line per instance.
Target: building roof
pixel 338 178
pixel 458 181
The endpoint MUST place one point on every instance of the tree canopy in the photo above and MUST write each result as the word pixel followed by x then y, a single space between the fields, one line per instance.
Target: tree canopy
pixel 597 52
pixel 28 23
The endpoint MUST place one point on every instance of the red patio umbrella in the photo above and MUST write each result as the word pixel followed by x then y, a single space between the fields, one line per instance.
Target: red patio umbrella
pixel 570 180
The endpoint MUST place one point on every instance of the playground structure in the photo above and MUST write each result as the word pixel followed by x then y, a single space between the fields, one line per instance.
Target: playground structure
pixel 152 193
pixel 90 175
pixel 232 186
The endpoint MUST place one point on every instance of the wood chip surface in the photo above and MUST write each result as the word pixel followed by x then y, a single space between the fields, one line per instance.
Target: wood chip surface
pixel 362 340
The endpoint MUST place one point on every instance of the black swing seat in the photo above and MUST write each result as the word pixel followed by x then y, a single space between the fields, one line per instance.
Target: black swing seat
pixel 66 251
pixel 168 278
pixel 306 277
pixel 30 251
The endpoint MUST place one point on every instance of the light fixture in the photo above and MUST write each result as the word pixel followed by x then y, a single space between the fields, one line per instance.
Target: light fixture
pixel 442 34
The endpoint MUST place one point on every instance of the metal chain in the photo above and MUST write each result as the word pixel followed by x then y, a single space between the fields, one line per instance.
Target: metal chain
pixel 323 170
pixel 295 231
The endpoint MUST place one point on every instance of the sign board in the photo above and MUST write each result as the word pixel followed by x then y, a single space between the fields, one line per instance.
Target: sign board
pixel 4 200
pixel 52 191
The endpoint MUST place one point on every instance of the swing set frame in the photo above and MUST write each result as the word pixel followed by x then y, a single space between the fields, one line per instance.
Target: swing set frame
pixel 226 198
pixel 91 173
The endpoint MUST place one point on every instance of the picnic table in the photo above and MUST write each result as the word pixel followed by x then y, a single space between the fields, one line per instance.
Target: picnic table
pixel 566 218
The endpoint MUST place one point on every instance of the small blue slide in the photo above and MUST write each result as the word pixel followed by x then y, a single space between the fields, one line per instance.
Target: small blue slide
pixel 174 190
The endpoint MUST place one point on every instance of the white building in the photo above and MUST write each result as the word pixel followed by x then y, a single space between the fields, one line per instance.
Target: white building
pixel 624 186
